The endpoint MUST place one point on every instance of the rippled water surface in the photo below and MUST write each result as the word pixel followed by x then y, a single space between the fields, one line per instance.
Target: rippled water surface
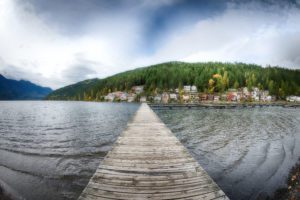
pixel 49 150
pixel 247 151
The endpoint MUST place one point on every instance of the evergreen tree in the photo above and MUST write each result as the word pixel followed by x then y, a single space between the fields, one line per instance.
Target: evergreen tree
pixel 279 81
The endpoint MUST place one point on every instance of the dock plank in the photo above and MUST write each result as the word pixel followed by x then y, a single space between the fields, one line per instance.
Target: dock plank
pixel 148 162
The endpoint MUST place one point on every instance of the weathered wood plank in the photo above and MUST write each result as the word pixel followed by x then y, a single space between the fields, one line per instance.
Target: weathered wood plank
pixel 149 162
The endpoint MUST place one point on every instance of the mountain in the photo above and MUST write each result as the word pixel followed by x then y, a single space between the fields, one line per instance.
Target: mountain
pixel 21 90
pixel 161 77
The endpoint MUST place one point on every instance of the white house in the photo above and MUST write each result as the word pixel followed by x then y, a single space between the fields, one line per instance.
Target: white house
pixel 216 98
pixel 138 89
pixel 293 98
pixel 123 96
pixel 131 97
pixel 173 96
pixel 255 94
pixel 187 88
pixel 109 97
pixel 245 91
pixel 143 99
pixel 263 95
pixel 268 98
pixel 193 88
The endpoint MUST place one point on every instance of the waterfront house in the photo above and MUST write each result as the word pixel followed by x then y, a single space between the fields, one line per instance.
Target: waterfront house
pixel 157 98
pixel 216 98
pixel 173 97
pixel 269 98
pixel 246 93
pixel 203 97
pixel 118 94
pixel 138 89
pixel 239 95
pixel 165 97
pixel 187 88
pixel 231 96
pixel 177 91
pixel 143 99
pixel 185 98
pixel 194 89
pixel 263 95
pixel 293 98
pixel 131 97
pixel 124 96
pixel 255 94
pixel 232 90
pixel 109 97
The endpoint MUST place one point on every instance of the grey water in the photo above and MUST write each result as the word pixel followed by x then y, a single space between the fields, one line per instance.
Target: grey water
pixel 247 151
pixel 50 150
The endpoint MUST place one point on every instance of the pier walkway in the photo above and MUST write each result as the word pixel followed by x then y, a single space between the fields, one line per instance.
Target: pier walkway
pixel 149 162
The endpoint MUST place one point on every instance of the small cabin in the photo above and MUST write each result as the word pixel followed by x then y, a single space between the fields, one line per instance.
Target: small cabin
pixel 165 97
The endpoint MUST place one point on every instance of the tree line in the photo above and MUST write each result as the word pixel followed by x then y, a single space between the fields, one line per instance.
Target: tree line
pixel 209 77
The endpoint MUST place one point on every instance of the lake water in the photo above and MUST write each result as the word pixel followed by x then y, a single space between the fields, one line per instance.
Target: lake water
pixel 247 151
pixel 49 150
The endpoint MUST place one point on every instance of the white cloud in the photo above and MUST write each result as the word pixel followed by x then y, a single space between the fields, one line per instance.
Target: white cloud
pixel 245 34
pixel 35 50
pixel 32 46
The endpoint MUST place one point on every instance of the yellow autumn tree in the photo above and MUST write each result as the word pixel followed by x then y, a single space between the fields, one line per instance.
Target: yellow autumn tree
pixel 211 86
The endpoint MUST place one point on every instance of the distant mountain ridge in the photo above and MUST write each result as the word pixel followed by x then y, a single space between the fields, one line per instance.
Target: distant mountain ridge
pixel 281 82
pixel 21 90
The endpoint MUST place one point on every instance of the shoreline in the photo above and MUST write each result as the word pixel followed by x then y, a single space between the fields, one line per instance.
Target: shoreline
pixel 4 195
pixel 204 104
pixel 8 193
pixel 292 189
pixel 250 110
pixel 223 105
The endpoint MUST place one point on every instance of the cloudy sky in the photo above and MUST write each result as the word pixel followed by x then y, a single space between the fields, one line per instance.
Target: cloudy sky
pixel 59 42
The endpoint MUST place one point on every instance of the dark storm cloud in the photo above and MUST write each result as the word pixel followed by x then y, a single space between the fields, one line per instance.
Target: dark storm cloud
pixel 70 16
pixel 162 19
pixel 73 17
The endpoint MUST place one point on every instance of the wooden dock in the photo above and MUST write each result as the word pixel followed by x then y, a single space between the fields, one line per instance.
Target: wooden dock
pixel 149 162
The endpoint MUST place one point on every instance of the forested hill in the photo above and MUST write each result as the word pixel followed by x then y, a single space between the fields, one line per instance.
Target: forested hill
pixel 21 90
pixel 162 77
